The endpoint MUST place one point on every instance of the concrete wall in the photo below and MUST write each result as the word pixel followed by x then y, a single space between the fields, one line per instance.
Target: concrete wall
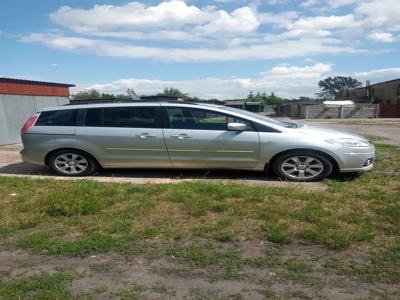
pixel 326 112
pixel 16 109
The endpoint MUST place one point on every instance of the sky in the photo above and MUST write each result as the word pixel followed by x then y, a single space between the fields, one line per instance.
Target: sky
pixel 208 48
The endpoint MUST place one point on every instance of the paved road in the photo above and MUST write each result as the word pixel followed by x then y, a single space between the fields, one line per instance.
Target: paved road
pixel 389 131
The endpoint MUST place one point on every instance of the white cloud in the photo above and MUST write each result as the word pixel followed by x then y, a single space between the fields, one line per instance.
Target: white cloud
pixel 380 36
pixel 309 3
pixel 381 13
pixel 283 49
pixel 285 81
pixel 325 22
pixel 174 16
pixel 131 15
pixel 329 3
pixel 340 3
pixel 279 19
pixel 186 32
pixel 241 20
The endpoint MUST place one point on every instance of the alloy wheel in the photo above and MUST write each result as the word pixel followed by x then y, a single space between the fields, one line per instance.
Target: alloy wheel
pixel 71 163
pixel 302 167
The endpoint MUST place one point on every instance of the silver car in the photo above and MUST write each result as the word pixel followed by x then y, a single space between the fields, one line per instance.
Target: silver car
pixel 77 140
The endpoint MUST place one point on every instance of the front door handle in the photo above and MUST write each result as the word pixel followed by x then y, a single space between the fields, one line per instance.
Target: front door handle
pixel 146 135
pixel 181 136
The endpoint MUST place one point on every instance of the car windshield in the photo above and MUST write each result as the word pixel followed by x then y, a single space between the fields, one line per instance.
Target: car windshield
pixel 264 118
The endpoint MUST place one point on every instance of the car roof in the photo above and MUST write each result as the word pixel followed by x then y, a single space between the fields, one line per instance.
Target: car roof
pixel 130 104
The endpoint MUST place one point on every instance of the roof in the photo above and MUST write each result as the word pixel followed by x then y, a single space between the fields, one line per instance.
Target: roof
pixel 34 82
pixel 379 83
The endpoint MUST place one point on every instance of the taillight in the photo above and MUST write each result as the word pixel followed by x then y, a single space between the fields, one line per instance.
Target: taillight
pixel 30 123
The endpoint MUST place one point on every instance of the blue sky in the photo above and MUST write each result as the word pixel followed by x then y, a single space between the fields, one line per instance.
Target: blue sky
pixel 208 48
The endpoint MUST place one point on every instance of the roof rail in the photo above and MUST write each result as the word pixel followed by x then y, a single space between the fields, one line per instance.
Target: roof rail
pixel 122 100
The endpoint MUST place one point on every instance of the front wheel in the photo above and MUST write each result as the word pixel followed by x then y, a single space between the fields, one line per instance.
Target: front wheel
pixel 72 163
pixel 302 166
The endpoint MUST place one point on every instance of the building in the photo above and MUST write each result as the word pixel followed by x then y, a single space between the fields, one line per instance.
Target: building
pixel 256 107
pixel 19 99
pixel 386 94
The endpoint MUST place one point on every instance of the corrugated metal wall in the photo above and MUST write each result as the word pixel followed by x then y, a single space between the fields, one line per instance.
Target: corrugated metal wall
pixel 11 88
pixel 16 109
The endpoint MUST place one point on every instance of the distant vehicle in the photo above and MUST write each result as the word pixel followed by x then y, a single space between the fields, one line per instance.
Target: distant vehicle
pixel 77 140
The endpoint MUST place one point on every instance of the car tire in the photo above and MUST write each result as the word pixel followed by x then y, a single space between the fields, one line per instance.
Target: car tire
pixel 302 166
pixel 73 163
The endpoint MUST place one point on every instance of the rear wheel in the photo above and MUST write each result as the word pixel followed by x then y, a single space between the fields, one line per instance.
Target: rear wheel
pixel 302 166
pixel 72 163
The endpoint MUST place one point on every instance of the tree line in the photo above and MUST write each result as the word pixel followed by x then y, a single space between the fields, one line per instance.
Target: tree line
pixel 331 87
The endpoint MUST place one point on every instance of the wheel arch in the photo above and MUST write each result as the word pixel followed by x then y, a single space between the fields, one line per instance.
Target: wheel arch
pixel 48 155
pixel 334 162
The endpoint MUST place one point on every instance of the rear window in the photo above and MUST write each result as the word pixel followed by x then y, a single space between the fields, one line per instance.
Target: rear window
pixel 58 118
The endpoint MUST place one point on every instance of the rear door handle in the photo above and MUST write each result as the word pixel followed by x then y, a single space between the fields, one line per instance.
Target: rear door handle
pixel 181 136
pixel 146 135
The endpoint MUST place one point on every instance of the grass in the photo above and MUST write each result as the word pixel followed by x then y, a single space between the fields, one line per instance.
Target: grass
pixel 81 218
pixel 43 286
pixel 84 217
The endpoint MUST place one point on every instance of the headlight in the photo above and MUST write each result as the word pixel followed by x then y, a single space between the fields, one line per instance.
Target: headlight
pixel 348 142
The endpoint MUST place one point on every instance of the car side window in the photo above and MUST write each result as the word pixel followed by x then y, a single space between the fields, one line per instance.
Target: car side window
pixel 130 117
pixel 201 119
pixel 58 118
pixel 93 117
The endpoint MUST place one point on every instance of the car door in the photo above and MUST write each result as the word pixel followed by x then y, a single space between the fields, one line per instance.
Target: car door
pixel 198 138
pixel 128 136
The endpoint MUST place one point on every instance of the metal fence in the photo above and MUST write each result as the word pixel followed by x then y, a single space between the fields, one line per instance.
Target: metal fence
pixel 339 112
pixel 16 109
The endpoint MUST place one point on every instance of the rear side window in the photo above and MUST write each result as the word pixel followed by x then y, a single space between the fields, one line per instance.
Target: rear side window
pixel 58 118
pixel 93 117
pixel 131 117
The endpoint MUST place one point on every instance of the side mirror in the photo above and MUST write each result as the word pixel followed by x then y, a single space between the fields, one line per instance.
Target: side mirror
pixel 236 126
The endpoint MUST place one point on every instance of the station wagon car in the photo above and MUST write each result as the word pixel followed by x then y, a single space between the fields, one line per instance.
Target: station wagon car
pixel 77 140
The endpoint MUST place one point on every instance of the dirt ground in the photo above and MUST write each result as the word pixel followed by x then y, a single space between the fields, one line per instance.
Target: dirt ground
pixel 107 276
pixel 288 271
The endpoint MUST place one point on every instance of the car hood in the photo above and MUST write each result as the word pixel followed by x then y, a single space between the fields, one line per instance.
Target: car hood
pixel 326 133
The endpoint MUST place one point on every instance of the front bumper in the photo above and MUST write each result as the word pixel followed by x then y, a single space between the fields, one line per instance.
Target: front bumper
pixel 357 159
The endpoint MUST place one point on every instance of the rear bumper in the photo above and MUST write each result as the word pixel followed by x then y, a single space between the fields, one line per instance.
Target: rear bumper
pixel 32 157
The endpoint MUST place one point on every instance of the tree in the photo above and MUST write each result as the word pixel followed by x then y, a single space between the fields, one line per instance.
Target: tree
pixel 174 92
pixel 270 99
pixel 331 87
pixel 95 94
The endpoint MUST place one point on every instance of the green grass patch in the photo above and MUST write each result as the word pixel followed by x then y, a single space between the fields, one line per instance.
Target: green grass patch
pixel 86 217
pixel 44 286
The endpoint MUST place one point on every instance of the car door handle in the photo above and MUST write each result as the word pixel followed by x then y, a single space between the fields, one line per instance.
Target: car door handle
pixel 181 136
pixel 146 135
